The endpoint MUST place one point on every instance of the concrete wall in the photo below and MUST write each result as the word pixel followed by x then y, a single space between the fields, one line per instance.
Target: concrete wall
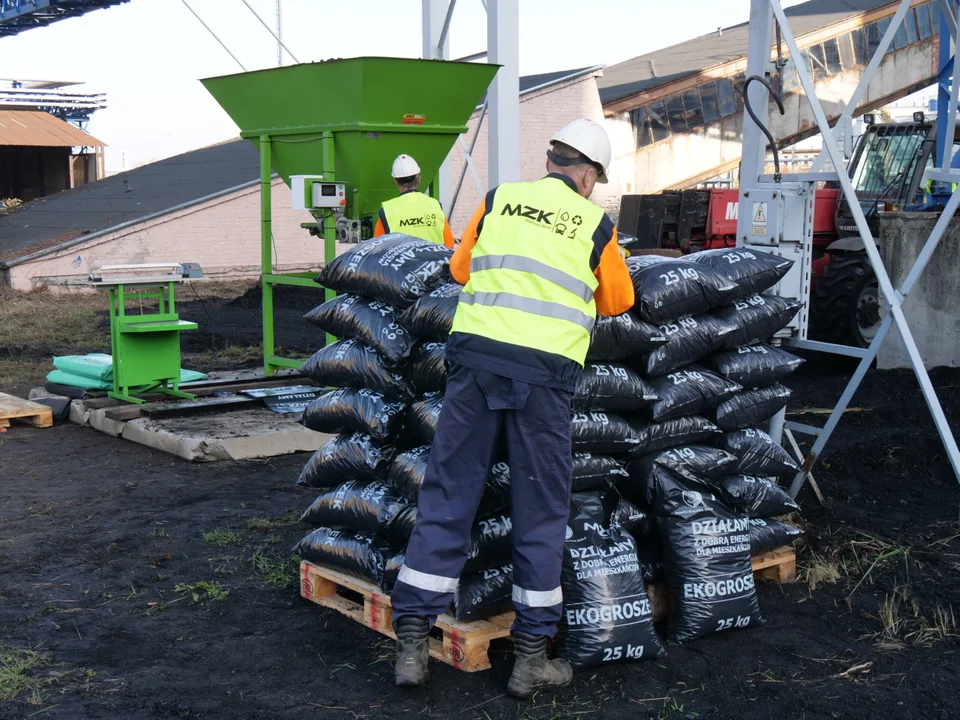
pixel 933 306
pixel 542 112
pixel 223 235
pixel 684 160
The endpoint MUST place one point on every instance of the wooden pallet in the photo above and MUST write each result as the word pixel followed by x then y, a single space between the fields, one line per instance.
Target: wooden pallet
pixel 778 565
pixel 461 644
pixel 14 408
pixel 465 645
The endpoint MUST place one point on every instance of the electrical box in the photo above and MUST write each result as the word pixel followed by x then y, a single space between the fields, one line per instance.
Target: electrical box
pixel 779 220
pixel 310 192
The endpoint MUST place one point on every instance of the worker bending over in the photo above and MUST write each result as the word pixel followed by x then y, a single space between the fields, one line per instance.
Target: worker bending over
pixel 539 261
pixel 412 213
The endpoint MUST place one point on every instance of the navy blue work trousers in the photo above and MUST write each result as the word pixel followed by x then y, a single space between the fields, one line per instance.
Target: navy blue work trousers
pixel 481 413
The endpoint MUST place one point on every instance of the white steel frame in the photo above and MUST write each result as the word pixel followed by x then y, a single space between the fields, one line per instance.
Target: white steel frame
pixel 762 15
pixel 503 95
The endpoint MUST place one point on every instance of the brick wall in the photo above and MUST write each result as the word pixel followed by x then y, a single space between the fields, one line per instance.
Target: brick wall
pixel 223 235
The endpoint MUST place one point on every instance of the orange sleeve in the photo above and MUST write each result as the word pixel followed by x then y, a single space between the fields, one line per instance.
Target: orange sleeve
pixel 448 239
pixel 460 262
pixel 614 294
pixel 378 230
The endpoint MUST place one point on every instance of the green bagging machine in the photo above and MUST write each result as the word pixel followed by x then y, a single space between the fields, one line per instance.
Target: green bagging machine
pixel 331 130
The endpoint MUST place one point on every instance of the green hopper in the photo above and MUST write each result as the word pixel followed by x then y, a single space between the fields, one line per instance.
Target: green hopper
pixel 346 120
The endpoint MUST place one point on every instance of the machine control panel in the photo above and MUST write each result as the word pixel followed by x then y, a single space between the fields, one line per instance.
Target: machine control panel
pixel 311 192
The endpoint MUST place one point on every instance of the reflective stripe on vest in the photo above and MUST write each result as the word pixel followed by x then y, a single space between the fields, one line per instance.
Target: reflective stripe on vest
pixel 525 264
pixel 531 283
pixel 414 213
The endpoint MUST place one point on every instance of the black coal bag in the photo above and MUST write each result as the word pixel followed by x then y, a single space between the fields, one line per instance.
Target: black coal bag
pixel 667 288
pixel 354 410
pixel 403 525
pixel 423 416
pixel 753 365
pixel 406 471
pixel 395 268
pixel 706 552
pixel 757 453
pixel 600 432
pixel 622 336
pixel 635 521
pixel 427 368
pixel 489 543
pixel 688 339
pixel 391 568
pixel 654 436
pixel 756 496
pixel 693 462
pixel 482 594
pixel 752 407
pixel 431 316
pixel 606 612
pixel 346 457
pixel 751 270
pixel 350 363
pixel 347 551
pixel 367 506
pixel 757 318
pixel 767 534
pixel 594 471
pixel 372 322
pixel 689 391
pixel 612 386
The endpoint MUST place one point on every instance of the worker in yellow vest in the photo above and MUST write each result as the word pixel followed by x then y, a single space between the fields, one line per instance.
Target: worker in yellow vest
pixel 412 213
pixel 538 262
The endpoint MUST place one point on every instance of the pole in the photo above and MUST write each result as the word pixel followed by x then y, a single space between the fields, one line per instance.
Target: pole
pixel 266 255
pixel 503 48
pixel 279 35
pixel 435 18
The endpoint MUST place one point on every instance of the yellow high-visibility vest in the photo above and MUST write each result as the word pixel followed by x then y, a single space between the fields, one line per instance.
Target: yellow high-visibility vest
pixel 531 283
pixel 414 213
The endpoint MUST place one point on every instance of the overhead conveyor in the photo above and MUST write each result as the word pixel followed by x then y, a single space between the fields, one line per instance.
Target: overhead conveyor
pixel 19 15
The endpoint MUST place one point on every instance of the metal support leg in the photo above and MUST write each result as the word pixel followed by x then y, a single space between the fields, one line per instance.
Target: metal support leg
pixel 266 254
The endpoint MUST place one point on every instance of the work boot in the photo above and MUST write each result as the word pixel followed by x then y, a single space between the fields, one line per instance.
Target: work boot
pixel 532 670
pixel 413 650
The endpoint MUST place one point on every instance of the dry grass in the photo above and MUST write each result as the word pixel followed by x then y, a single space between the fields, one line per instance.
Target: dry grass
pixel 903 621
pixel 819 570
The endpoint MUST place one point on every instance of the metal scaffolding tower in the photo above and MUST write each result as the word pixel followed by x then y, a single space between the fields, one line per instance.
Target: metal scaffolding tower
pixel 784 229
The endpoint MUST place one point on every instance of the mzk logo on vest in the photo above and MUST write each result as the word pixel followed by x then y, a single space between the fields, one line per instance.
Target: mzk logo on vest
pixel 560 225
pixel 422 221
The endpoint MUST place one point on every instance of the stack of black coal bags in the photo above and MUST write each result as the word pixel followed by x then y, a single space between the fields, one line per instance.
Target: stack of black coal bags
pixel 371 370
pixel 674 390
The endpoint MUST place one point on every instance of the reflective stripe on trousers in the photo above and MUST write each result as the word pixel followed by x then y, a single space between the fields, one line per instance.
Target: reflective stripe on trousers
pixel 537 598
pixel 542 308
pixel 426 581
pixel 524 264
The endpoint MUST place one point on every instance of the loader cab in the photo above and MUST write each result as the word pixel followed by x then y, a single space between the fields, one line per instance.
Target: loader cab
pixel 887 171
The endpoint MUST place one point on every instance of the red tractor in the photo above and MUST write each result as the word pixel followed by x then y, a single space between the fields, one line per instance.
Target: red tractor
pixel 887 173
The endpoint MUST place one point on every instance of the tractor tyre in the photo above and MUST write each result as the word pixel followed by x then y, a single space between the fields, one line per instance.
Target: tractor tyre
pixel 846 307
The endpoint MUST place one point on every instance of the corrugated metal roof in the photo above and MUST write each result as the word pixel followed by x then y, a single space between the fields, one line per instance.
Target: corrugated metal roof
pixel 694 56
pixel 48 222
pixel 32 128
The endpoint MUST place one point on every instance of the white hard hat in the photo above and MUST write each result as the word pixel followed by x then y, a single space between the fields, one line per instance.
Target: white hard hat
pixel 405 166
pixel 590 139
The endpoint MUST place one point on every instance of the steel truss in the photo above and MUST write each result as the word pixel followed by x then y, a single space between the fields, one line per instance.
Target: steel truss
pixel 762 15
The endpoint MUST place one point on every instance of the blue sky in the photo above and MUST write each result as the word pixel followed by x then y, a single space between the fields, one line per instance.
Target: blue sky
pixel 147 55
